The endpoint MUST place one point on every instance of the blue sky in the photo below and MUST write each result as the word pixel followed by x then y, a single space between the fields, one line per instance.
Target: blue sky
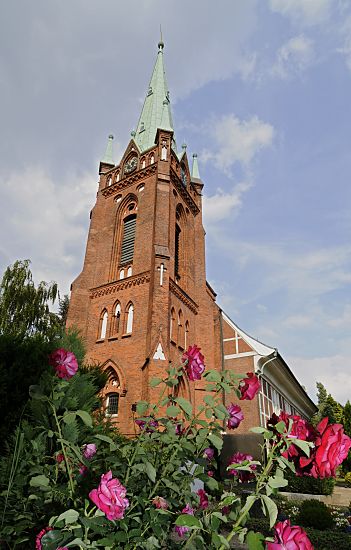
pixel 260 89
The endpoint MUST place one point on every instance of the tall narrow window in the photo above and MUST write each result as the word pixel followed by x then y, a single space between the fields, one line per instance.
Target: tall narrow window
pixel 177 250
pixel 103 325
pixel 173 326
pixel 112 404
pixel 129 272
pixel 130 316
pixel 186 335
pixel 117 318
pixel 127 249
pixel 180 337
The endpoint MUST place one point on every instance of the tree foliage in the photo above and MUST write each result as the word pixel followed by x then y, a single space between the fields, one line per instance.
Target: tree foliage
pixel 24 308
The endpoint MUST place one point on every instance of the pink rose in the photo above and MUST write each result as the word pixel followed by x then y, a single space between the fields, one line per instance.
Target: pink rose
pixel 331 448
pixel 203 496
pixel 210 473
pixel 60 458
pixel 38 545
pixel 235 416
pixel 89 450
pixel 289 537
pixel 209 453
pixel 109 497
pixel 182 530
pixel 83 470
pixel 194 363
pixel 249 386
pixel 64 362
pixel 243 475
pixel 160 503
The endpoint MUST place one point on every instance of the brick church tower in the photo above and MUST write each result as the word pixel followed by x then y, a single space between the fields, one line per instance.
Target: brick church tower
pixel 142 296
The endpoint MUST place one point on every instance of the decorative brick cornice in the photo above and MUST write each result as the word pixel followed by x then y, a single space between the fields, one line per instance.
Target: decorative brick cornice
pixel 183 297
pixel 116 286
pixel 184 193
pixel 126 182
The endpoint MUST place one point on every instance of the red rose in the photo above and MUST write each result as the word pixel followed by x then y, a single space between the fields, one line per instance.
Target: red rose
pixel 194 363
pixel 331 448
pixel 290 537
pixel 235 416
pixel 249 386
pixel 203 496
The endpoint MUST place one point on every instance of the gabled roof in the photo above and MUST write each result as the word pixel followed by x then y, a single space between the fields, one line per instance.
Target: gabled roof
pixel 257 346
pixel 156 111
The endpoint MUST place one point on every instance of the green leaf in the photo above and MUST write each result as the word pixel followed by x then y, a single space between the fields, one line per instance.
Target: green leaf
pixel 213 376
pixel 70 516
pixel 280 427
pixel 219 413
pixel 85 416
pixel 209 400
pixel 142 407
pixel 69 417
pixel 35 392
pixel 304 445
pixel 187 520
pixel 172 410
pixel 276 482
pixel 155 382
pixel 255 541
pixel 211 483
pixel 216 441
pixel 150 471
pixel 185 405
pixel 39 481
pixel 104 438
pixel 271 508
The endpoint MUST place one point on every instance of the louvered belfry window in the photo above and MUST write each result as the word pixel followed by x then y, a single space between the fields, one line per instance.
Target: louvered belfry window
pixel 127 249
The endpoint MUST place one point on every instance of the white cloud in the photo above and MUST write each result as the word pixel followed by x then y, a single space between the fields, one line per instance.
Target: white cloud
pixel 223 205
pixel 346 49
pixel 305 12
pixel 46 221
pixel 236 140
pixel 333 372
pixel 293 57
pixel 343 320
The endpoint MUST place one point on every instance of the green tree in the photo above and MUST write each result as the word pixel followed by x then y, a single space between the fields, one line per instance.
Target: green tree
pixel 346 418
pixel 63 309
pixel 327 406
pixel 24 308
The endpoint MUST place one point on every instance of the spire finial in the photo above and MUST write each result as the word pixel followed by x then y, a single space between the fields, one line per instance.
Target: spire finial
pixel 161 43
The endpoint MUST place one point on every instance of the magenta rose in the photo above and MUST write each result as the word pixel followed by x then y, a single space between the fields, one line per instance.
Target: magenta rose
pixel 235 416
pixel 289 537
pixel 249 386
pixel 331 449
pixel 148 425
pixel 38 545
pixel 64 363
pixel 209 453
pixel 89 450
pixel 109 497
pixel 203 496
pixel 160 503
pixel 194 359
pixel 210 473
pixel 239 458
pixel 180 530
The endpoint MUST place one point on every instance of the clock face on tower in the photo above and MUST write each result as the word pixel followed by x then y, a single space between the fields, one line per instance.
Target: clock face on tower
pixel 131 165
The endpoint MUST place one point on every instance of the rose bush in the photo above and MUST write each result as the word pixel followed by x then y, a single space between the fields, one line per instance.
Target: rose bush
pixel 95 489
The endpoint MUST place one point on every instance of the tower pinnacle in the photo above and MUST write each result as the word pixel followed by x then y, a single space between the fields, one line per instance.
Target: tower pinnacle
pixel 108 156
pixel 195 168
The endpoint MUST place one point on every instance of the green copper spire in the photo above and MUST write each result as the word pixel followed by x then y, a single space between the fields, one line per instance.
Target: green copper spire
pixel 195 168
pixel 156 112
pixel 108 156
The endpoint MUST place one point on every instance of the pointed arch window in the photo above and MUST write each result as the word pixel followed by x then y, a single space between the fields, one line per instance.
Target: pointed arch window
pixel 128 241
pixel 180 337
pixel 130 271
pixel 130 319
pixel 173 326
pixel 116 319
pixel 177 250
pixel 186 335
pixel 103 325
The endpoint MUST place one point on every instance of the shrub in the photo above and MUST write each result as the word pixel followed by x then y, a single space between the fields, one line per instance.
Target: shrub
pixel 316 514
pixel 348 478
pixel 309 485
